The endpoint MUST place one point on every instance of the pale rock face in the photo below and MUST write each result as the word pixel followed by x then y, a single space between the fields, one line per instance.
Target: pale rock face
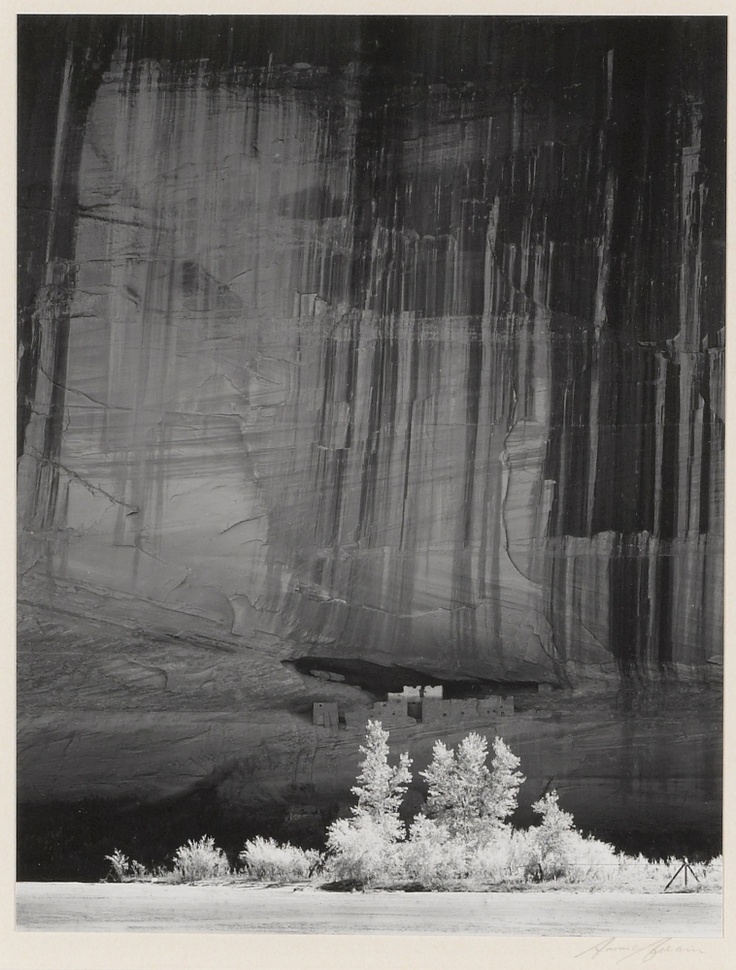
pixel 245 445
pixel 423 375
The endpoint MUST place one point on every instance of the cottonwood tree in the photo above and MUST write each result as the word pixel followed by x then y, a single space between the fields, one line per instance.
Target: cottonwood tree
pixel 381 787
pixel 506 779
pixel 360 847
pixel 467 797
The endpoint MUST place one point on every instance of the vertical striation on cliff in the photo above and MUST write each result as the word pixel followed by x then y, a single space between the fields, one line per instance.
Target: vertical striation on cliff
pixel 392 340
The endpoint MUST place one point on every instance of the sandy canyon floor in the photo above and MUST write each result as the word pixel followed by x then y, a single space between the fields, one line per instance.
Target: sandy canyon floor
pixel 81 907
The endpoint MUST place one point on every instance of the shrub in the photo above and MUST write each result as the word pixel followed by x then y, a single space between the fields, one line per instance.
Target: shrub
pixel 711 873
pixel 266 859
pixel 363 850
pixel 520 855
pixel 431 856
pixel 559 851
pixel 591 861
pixel 200 860
pixel 551 840
pixel 119 865
pixel 504 858
pixel 125 869
pixel 436 858
pixel 138 870
pixel 639 874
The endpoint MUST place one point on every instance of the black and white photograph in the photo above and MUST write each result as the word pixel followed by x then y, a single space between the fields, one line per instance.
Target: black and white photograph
pixel 370 478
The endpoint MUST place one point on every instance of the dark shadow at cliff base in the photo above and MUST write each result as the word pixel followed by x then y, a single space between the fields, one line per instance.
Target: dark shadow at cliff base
pixel 64 841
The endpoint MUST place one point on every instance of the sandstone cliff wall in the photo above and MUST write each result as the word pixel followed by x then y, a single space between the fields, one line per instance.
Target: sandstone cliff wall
pixel 369 340
pixel 398 369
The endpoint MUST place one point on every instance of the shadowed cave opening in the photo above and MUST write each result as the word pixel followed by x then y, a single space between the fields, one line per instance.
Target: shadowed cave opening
pixel 379 680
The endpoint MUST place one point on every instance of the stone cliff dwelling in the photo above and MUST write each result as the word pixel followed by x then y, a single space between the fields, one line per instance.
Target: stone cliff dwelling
pixel 414 705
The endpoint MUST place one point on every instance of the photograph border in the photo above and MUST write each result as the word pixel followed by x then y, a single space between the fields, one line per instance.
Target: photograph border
pixel 151 951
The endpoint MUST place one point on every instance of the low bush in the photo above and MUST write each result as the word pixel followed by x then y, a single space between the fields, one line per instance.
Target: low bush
pixel 639 874
pixel 558 851
pixel 436 859
pixel 503 859
pixel 200 860
pixel 268 860
pixel 710 874
pixel 119 865
pixel 364 851
pixel 124 869
pixel 550 842
pixel 431 856
pixel 587 861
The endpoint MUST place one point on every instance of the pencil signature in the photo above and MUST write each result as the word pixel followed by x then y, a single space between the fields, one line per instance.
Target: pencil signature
pixel 644 952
